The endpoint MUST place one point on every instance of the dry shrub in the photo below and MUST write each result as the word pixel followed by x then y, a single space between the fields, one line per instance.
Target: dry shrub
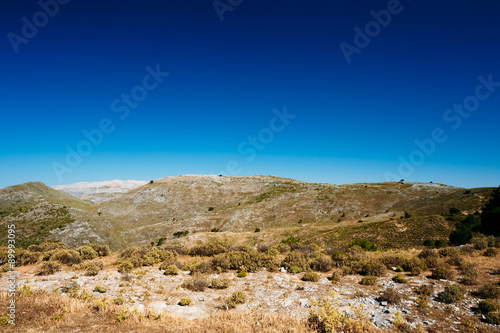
pixel 204 267
pixel 489 290
pixel 48 267
pixel 26 257
pixel 425 290
pixel 220 283
pixel 238 297
pixel 185 301
pixel 452 293
pixel 220 263
pixel 427 253
pixel 449 252
pixel 488 305
pixel 87 252
pixel 101 249
pixel 393 261
pixel 51 246
pixel 171 270
pixel 398 278
pixel 325 317
pixel 210 247
pixel 91 268
pixel 368 280
pixel 490 252
pixel 373 267
pixel 469 274
pixel 443 271
pixel 66 257
pixel 455 261
pixel 324 263
pixel 479 243
pixel 431 262
pixel 390 295
pixel 311 277
pixel 125 266
pixel 295 259
pixel 197 283
pixel 240 260
pixel 337 275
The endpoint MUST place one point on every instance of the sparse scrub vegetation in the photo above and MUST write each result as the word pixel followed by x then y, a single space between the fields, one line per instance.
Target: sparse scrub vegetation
pixel 443 271
pixel 364 244
pixel 311 277
pixel 220 283
pixel 197 283
pixel 368 280
pixel 398 278
pixel 390 295
pixel 452 293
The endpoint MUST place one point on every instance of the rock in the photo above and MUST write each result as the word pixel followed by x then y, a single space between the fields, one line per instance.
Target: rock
pixel 387 311
pixel 383 303
pixel 304 302
pixel 213 275
pixel 282 269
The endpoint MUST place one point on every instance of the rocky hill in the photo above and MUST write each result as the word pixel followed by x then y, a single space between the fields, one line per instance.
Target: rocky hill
pixel 325 213
pixel 99 191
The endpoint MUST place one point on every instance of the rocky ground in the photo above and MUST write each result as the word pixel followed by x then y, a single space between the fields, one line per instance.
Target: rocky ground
pixel 280 292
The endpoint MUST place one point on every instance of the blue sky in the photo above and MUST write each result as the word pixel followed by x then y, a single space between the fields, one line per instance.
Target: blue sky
pixel 216 112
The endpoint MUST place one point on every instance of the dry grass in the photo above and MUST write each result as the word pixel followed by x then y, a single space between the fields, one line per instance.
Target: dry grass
pixel 49 312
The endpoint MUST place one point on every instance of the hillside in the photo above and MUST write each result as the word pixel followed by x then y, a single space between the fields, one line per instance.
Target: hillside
pixel 99 191
pixel 323 213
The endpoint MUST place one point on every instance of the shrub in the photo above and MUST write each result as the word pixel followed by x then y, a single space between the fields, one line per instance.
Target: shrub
pixel 390 295
pixel 185 301
pixel 490 252
pixel 339 258
pixel 171 270
pixel 100 289
pixel 398 278
pixel 283 248
pixel 337 275
pixel 270 262
pixel 364 244
pixel 311 277
pixel 294 270
pixel 324 263
pixel 373 267
pixel 66 257
pixel 87 252
pixel 415 266
pixel 393 261
pixel 257 230
pixel 426 290
pixel 489 290
pixel 48 267
pixel 91 268
pixel 488 305
pixel 205 267
pixel 295 259
pixel 449 252
pixel 399 269
pixel 493 318
pixel 119 300
pixel 220 283
pixel 368 280
pixel 470 275
pixel 241 274
pixel 243 261
pixel 238 297
pixel 210 247
pixel 451 293
pixel 428 243
pixel 426 253
pixel 220 263
pixel 125 266
pixel 431 262
pixel 291 240
pixel 101 249
pixel 196 284
pixel 480 243
pixel 442 271
pixel 455 261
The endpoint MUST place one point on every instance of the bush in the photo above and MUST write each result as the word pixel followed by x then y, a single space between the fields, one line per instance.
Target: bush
pixel 390 295
pixel 171 270
pixel 398 278
pixel 324 263
pixel 257 230
pixel 220 283
pixel 449 252
pixel 220 263
pixel 241 274
pixel 91 268
pixel 368 280
pixel 125 266
pixel 238 297
pixel 493 318
pixel 426 290
pixel 364 244
pixel 291 240
pixel 451 293
pixel 185 301
pixel 427 253
pixel 48 267
pixel 101 249
pixel 373 267
pixel 455 261
pixel 66 257
pixel 210 247
pixel 489 290
pixel 119 300
pixel 240 260
pixel 488 305
pixel 337 275
pixel 490 252
pixel 295 259
pixel 428 243
pixel 100 289
pixel 311 277
pixel 470 275
pixel 196 284
pixel 480 243
pixel 87 252
pixel 442 271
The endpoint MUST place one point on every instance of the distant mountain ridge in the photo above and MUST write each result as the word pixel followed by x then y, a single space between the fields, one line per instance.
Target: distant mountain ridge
pixel 121 213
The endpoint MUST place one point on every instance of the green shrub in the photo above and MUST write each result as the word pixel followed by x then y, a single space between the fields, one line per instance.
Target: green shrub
pixel 48 267
pixel 185 301
pixel 488 305
pixel 87 252
pixel 243 261
pixel 171 270
pixel 291 240
pixel 489 290
pixel 100 289
pixel 125 266
pixel 294 270
pixel 119 300
pixel 493 318
pixel 399 269
pixel 257 230
pixel 196 283
pixel 443 271
pixel 451 293
pixel 398 278
pixel 311 277
pixel 241 274
pixel 368 280
pixel 415 266
pixel 364 244
pixel 220 283
pixel 428 243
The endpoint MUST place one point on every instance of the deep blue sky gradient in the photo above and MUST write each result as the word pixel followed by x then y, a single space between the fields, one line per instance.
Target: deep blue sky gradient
pixel 353 121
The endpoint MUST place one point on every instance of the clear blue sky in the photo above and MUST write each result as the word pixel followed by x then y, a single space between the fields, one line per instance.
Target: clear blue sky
pixel 353 121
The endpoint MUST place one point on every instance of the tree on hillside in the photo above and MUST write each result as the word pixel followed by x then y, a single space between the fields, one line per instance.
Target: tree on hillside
pixel 490 217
